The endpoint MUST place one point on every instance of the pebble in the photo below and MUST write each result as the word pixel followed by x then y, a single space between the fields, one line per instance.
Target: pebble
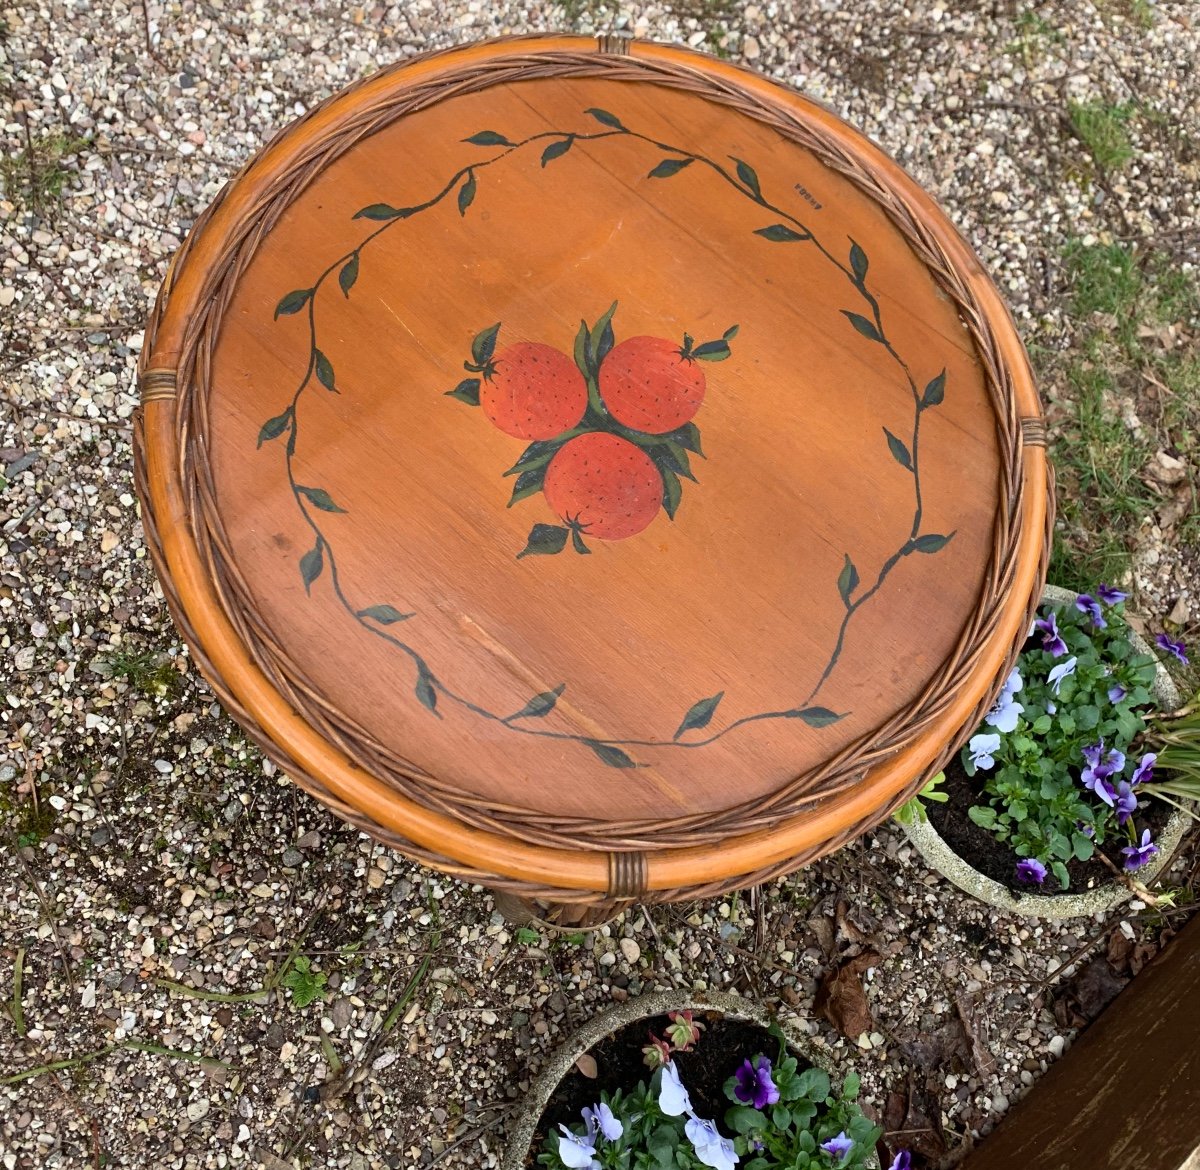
pixel 630 950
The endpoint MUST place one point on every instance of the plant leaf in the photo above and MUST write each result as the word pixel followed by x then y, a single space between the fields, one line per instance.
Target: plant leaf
pixel 605 117
pixel 612 756
pixel 669 167
pixel 557 149
pixel 539 705
pixel 488 138
pixel 325 372
pixel 899 450
pixel 544 540
pixel 712 351
pixel 293 302
pixel 699 714
pixel 672 491
pixel 815 716
pixel 537 454
pixel 310 566
pixel 847 579
pixel 274 427
pixel 383 211
pixel 935 391
pixel 745 172
pixel 858 262
pixel 582 361
pixel 780 233
pixel 930 542
pixel 687 436
pixel 466 391
pixel 600 334
pixel 528 483
pixel 865 327
pixel 348 275
pixel 426 691
pixel 466 193
pixel 385 615
pixel 731 332
pixel 578 545
pixel 320 498
pixel 483 345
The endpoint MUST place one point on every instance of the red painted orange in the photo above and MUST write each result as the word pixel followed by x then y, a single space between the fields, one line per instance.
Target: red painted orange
pixel 603 486
pixel 533 391
pixel 648 384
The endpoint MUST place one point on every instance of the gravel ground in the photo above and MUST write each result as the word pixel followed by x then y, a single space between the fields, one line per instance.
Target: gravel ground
pixel 170 902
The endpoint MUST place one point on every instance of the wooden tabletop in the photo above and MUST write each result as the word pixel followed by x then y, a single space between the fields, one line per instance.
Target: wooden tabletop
pixel 595 461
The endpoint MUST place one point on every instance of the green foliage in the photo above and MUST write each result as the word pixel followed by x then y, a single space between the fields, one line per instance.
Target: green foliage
pixel 1102 130
pixel 303 982
pixel 37 175
pixel 1035 799
pixel 152 674
pixel 913 810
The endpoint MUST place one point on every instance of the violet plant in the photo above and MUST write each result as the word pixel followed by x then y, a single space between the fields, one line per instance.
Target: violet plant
pixel 779 1118
pixel 1056 751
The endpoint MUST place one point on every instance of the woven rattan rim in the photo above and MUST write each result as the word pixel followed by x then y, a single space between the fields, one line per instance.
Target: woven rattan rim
pixel 839 774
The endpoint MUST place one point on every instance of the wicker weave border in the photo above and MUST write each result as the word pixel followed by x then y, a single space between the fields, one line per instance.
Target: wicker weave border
pixel 626 841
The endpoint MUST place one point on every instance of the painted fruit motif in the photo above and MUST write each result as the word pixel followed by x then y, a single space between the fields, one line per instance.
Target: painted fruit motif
pixel 651 384
pixel 533 391
pixel 610 431
pixel 603 486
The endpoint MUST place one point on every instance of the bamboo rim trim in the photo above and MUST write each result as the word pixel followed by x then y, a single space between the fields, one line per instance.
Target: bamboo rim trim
pixel 182 332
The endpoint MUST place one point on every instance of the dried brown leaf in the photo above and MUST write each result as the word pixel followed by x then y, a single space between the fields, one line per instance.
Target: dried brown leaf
pixel 841 999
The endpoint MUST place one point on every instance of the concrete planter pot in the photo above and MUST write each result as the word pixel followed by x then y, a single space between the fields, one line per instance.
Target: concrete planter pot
pixel 1083 903
pixel 522 1128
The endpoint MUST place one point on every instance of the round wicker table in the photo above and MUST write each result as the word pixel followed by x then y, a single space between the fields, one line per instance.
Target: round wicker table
pixel 591 469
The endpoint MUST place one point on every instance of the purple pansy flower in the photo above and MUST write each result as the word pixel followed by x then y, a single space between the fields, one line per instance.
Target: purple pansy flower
pixel 673 1098
pixel 577 1153
pixel 838 1147
pixel 1031 870
pixel 1138 855
pixel 1126 803
pixel 1061 671
pixel 1051 639
pixel 1086 603
pixel 601 1117
pixel 1109 595
pixel 1144 771
pixel 902 1161
pixel 754 1084
pixel 711 1148
pixel 982 747
pixel 1176 648
pixel 1116 693
pixel 1006 710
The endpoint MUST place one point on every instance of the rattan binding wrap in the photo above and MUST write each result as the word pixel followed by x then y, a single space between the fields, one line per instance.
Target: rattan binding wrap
pixel 626 843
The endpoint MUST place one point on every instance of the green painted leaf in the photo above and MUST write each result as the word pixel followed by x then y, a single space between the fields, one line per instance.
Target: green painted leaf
pixel 466 391
pixel 426 691
pixel 731 332
pixel 320 498
pixel 865 327
pixel 671 457
pixel 348 275
pixel 539 705
pixel 669 167
pixel 537 454
pixel 578 545
pixel 699 714
pixel 612 756
pixel 274 427
pixel 325 372
pixel 899 450
pixel 847 579
pixel 544 540
pixel 672 491
pixel 528 483
pixel 488 138
pixel 483 344
pixel 858 262
pixel 815 716
pixel 780 233
pixel 688 437
pixel 600 337
pixel 557 149
pixel 310 566
pixel 745 172
pixel 930 542
pixel 712 351
pixel 385 615
pixel 679 455
pixel 383 211
pixel 293 302
pixel 466 193
pixel 582 361
pixel 935 391
pixel 605 117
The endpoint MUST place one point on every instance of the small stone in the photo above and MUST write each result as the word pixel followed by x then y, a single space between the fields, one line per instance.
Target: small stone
pixel 198 1109
pixel 750 49
pixel 187 896
pixel 631 950
pixel 292 858
pixel 310 840
pixel 1056 1045
pixel 376 877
